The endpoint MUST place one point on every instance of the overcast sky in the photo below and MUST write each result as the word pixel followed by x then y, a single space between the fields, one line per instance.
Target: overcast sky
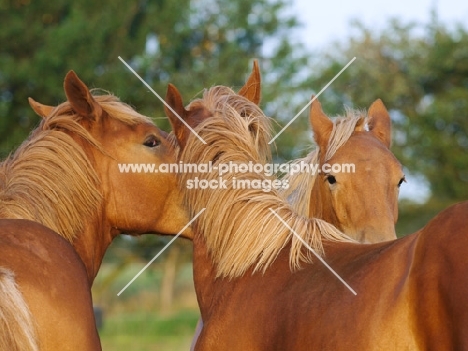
pixel 325 21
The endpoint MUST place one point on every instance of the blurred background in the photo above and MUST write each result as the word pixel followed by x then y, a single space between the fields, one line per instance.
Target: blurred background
pixel 414 56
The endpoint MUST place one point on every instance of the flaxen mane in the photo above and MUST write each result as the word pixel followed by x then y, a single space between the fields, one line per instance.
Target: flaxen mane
pixel 302 183
pixel 49 178
pixel 239 229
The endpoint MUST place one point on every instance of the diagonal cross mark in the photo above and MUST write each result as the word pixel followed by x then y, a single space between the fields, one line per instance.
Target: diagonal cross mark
pixel 160 252
pixel 313 251
pixel 311 101
pixel 162 100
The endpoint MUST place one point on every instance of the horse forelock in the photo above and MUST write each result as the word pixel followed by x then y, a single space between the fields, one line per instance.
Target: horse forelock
pixel 237 225
pixel 50 179
pixel 343 128
pixel 302 183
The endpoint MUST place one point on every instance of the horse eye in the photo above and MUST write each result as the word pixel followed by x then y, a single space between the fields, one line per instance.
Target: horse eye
pixel 401 181
pixel 152 141
pixel 331 179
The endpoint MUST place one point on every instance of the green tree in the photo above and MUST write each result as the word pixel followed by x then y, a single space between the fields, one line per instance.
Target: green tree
pixel 42 40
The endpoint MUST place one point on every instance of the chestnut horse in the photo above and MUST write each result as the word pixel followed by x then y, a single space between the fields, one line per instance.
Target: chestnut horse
pixel 362 144
pixel 63 199
pixel 257 286
pixel 345 140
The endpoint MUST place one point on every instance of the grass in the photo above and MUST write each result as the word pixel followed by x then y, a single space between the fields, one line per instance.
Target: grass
pixel 148 331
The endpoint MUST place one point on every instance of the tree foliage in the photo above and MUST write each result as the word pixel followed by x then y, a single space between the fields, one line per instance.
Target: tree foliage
pixel 192 44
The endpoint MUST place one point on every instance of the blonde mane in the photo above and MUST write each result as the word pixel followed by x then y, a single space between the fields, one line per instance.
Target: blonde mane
pixel 49 178
pixel 238 227
pixel 302 183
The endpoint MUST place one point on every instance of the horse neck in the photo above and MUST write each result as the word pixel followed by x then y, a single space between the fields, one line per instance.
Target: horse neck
pixel 60 191
pixel 204 275
pixel 212 292
pixel 215 293
pixel 92 243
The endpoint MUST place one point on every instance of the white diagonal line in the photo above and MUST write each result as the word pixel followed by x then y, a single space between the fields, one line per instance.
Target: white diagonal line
pixel 160 252
pixel 162 100
pixel 313 251
pixel 308 104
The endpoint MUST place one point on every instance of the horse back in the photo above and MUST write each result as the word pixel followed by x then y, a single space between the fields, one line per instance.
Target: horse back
pixel 53 282
pixel 412 294
pixel 440 273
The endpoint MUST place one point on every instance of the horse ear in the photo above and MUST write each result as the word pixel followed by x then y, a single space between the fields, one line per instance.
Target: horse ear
pixel 80 98
pixel 176 111
pixel 40 109
pixel 380 123
pixel 251 89
pixel 322 126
